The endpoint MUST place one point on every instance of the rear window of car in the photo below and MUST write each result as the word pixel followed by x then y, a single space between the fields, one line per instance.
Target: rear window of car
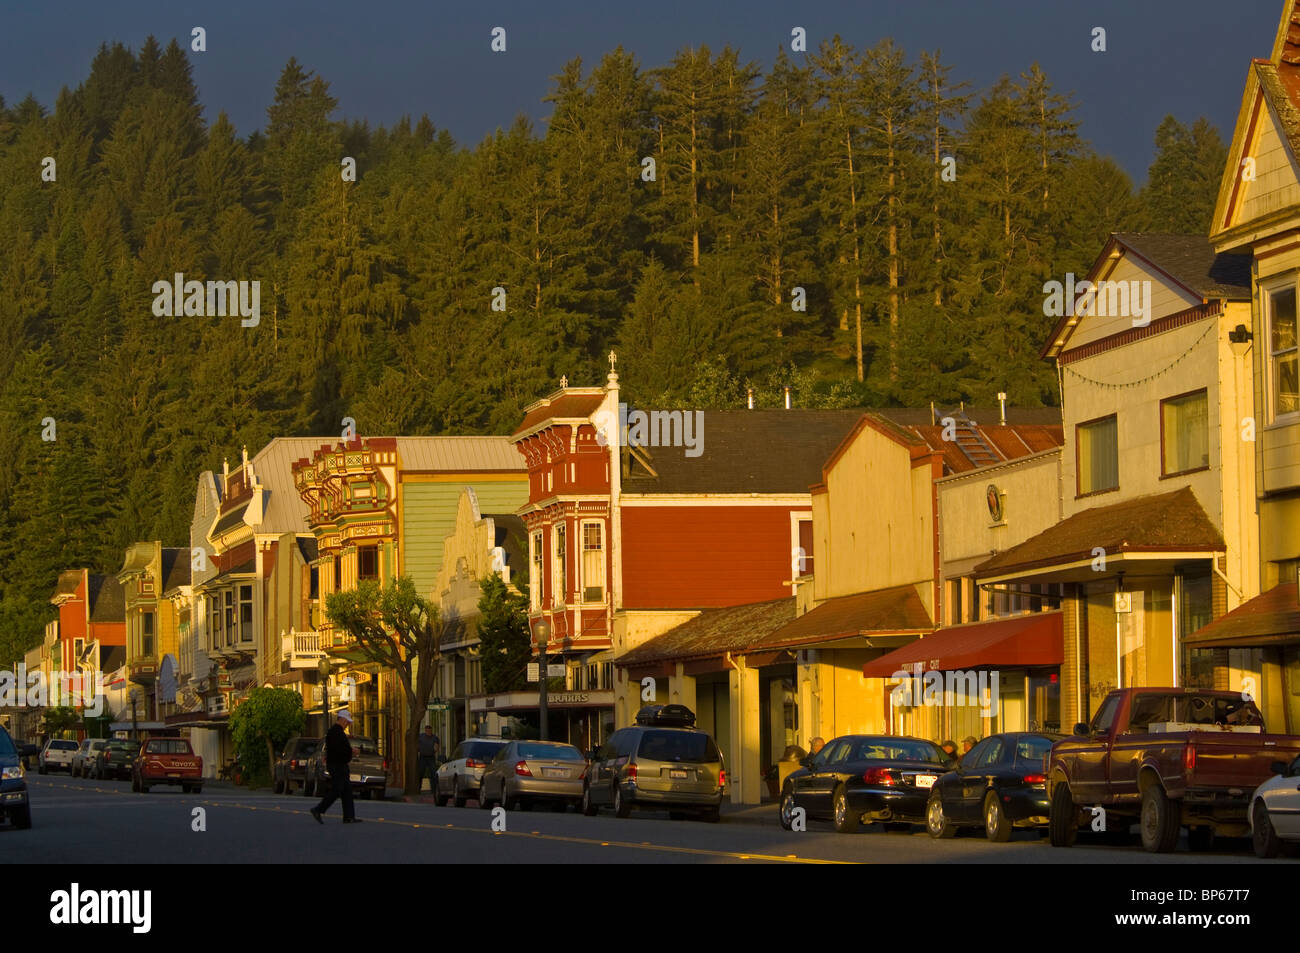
pixel 661 745
pixel 1033 751
pixel 365 745
pixel 168 746
pixel 895 749
pixel 482 750
pixel 555 752
pixel 63 746
pixel 307 748
pixel 123 745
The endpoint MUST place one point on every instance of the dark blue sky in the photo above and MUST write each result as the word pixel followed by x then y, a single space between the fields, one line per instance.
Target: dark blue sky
pixel 384 58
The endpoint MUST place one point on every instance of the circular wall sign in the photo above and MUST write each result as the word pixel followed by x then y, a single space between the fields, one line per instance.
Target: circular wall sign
pixel 995 503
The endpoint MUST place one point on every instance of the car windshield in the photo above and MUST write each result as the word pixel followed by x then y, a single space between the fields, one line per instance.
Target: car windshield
pixel 895 749
pixel 666 745
pixel 169 746
pixel 554 752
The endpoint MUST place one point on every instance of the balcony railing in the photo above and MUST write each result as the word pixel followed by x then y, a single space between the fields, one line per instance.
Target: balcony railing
pixel 301 649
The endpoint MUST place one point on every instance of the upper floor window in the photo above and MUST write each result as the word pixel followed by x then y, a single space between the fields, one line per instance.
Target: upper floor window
pixel 1097 457
pixel 146 634
pixel 1283 376
pixel 245 613
pixel 367 562
pixel 1184 433
pixel 229 597
pixel 561 575
pixel 214 621
pixel 593 562
pixel 535 582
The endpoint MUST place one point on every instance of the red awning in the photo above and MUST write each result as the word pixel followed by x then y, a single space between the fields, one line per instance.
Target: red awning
pixel 1016 642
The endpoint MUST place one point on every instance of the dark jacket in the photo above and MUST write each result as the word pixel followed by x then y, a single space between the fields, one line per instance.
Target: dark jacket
pixel 338 749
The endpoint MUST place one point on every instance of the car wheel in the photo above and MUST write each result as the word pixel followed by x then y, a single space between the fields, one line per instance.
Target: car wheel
pixel 846 822
pixel 439 799
pixel 144 788
pixel 588 808
pixel 135 783
pixel 622 807
pixel 787 808
pixel 308 787
pixel 1266 841
pixel 21 817
pixel 997 826
pixel 937 824
pixel 1159 823
pixel 1200 838
pixel 1063 823
pixel 457 796
pixel 483 800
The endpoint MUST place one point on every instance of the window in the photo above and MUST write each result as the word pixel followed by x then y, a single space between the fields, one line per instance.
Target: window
pixel 805 549
pixel 561 575
pixel 229 627
pixel 955 586
pixel 1105 716
pixel 535 582
pixel 367 562
pixel 146 634
pixel 593 562
pixel 338 574
pixel 245 613
pixel 214 622
pixel 1098 456
pixel 1184 433
pixel 1284 379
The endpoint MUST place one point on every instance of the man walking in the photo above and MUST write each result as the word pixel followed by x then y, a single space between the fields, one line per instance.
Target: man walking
pixel 338 752
pixel 429 751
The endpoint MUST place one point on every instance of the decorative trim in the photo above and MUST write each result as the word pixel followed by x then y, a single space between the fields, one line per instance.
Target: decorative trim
pixel 1120 339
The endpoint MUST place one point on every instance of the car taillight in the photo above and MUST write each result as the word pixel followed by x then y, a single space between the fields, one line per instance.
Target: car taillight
pixel 631 772
pixel 385 765
pixel 471 763
pixel 1189 758
pixel 878 776
pixel 294 764
pixel 1035 778
pixel 521 769
pixel 722 777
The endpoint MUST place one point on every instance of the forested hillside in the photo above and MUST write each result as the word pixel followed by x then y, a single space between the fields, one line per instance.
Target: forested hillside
pixel 915 218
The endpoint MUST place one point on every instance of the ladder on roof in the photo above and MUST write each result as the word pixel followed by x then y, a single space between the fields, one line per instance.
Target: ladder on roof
pixel 971 443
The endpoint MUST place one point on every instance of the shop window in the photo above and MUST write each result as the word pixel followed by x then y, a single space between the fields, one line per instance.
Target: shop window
pixel 1097 448
pixel 1283 373
pixel 1184 433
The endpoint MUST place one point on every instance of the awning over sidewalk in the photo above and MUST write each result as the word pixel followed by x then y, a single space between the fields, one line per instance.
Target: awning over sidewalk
pixel 1271 618
pixel 1167 528
pixel 1016 642
pixel 882 614
pixel 707 638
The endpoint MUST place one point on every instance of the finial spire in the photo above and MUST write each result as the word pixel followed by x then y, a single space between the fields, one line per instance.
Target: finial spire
pixel 564 380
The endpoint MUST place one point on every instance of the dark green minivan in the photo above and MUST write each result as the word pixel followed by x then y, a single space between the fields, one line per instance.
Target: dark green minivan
pixel 14 805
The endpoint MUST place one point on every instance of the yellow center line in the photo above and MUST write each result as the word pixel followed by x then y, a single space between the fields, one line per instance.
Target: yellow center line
pixel 562 838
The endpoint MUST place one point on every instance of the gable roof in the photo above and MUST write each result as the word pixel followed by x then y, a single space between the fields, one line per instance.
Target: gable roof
pixel 107 598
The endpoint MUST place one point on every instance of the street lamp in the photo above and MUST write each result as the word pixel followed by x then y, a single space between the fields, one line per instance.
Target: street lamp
pixel 323 666
pixel 543 631
pixel 135 731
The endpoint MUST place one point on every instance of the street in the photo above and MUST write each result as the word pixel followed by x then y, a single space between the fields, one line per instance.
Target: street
pixel 82 821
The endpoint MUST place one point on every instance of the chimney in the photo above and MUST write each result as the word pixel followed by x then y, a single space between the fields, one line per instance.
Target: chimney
pixel 225 470
pixel 751 398
pixel 1002 402
pixel 933 419
pixel 787 398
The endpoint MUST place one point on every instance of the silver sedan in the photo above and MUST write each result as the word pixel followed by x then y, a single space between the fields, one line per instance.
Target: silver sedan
pixel 526 772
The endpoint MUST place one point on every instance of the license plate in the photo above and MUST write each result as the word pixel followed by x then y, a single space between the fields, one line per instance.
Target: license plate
pixel 173 774
pixel 354 777
pixel 677 773
pixel 554 773
pixel 926 780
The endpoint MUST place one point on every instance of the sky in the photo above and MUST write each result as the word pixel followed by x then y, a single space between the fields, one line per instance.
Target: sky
pixel 389 58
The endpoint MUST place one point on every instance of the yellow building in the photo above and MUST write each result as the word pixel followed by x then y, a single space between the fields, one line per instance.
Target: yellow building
pixel 152 621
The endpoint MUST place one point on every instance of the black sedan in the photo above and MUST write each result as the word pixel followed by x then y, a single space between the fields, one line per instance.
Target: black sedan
pixel 857 778
pixel 1001 784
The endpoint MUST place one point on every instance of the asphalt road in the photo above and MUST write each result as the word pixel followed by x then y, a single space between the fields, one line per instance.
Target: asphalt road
pixel 84 821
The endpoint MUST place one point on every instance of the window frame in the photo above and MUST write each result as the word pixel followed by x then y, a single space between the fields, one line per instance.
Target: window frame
pixel 1165 472
pixel 1078 456
pixel 582 577
pixel 537 564
pixel 1289 283
pixel 559 558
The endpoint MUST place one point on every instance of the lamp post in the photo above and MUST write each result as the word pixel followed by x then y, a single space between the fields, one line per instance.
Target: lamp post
pixel 543 631
pixel 135 731
pixel 323 666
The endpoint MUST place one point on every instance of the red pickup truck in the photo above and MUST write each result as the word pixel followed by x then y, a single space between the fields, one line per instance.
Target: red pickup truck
pixel 167 761
pixel 1167 758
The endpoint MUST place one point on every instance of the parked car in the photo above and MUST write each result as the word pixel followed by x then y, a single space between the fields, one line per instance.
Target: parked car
pixel 871 778
pixel 14 803
pixel 368 770
pixel 661 762
pixel 1001 784
pixel 85 756
pixel 1275 810
pixel 291 767
pixel 167 761
pixel 57 755
pixel 116 760
pixel 459 776
pixel 1168 758
pixel 526 772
